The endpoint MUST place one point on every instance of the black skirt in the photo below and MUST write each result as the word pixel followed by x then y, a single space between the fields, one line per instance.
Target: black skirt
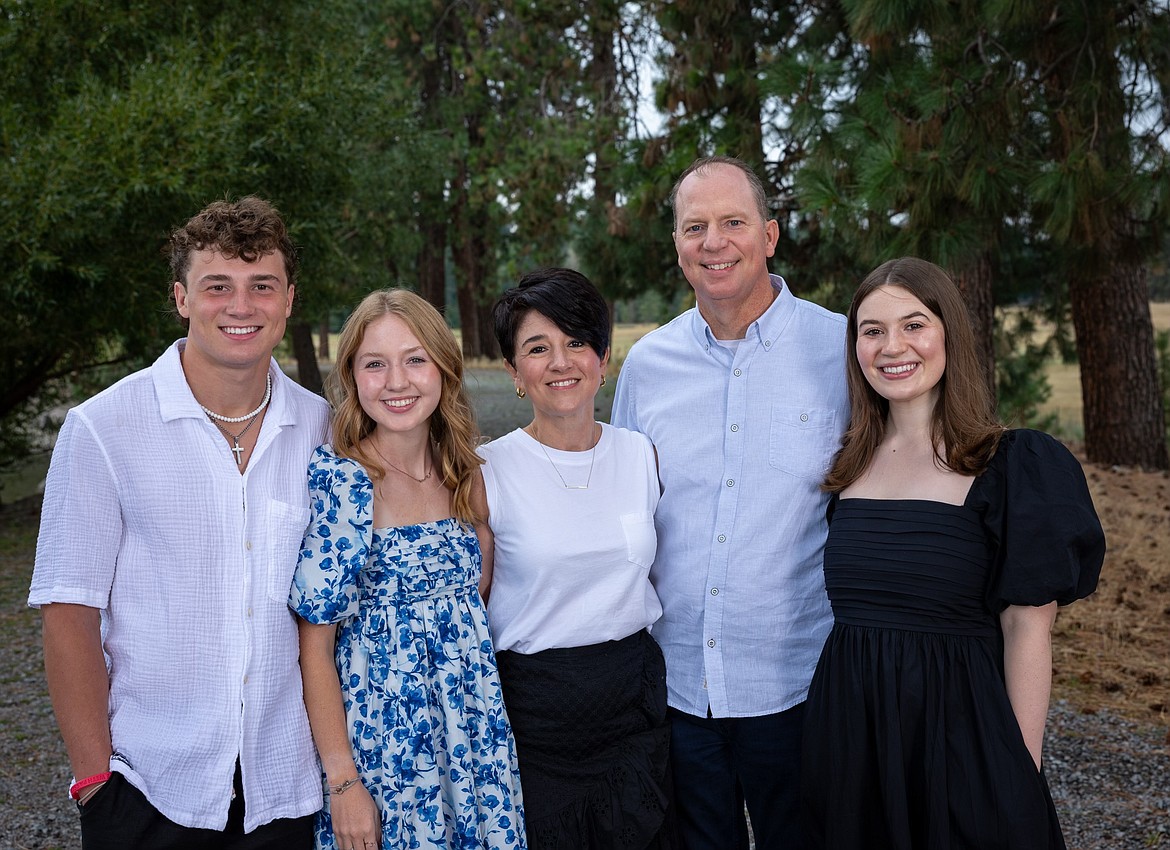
pixel 593 744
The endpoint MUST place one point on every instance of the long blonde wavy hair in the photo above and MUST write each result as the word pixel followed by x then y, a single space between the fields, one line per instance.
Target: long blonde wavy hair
pixel 453 429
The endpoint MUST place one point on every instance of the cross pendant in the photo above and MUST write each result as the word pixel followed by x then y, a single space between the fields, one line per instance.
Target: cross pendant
pixel 239 451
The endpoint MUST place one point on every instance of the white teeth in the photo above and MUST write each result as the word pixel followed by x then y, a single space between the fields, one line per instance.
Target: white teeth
pixel 720 266
pixel 241 331
pixel 400 402
pixel 562 383
pixel 898 370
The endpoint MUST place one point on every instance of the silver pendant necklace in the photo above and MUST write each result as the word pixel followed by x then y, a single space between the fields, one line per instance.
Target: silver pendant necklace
pixel 250 418
pixel 236 448
pixel 565 483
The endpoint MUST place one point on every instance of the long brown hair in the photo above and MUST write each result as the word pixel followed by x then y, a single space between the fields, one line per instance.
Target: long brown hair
pixel 452 425
pixel 963 422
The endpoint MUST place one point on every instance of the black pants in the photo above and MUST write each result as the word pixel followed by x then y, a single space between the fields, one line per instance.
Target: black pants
pixel 721 763
pixel 119 817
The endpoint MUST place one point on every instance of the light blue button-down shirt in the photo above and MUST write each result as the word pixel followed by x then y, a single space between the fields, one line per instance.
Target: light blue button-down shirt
pixel 744 436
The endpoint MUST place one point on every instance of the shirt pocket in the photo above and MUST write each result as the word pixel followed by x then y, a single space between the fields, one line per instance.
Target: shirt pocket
pixel 802 440
pixel 286 525
pixel 641 539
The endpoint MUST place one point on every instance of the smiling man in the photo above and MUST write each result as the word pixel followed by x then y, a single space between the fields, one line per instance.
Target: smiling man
pixel 173 513
pixel 744 399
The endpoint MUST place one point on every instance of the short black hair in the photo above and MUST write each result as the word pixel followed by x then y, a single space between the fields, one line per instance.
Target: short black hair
pixel 565 297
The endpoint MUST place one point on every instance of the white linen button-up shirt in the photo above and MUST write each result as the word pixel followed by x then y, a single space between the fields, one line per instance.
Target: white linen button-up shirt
pixel 745 434
pixel 147 518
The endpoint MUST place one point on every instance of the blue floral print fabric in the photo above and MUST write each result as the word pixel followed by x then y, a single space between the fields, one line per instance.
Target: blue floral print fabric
pixel 418 673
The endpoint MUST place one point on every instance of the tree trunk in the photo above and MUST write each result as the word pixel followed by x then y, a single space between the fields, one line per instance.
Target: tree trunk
pixel 975 282
pixel 432 272
pixel 470 251
pixel 474 309
pixel 742 91
pixel 472 245
pixel 487 330
pixel 1122 400
pixel 431 209
pixel 606 126
pixel 308 374
pixel 1090 145
pixel 323 339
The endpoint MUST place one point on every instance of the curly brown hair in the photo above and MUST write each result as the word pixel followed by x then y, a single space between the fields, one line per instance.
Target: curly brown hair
pixel 249 228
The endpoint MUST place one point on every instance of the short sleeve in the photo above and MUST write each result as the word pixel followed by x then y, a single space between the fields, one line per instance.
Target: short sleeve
pixel 623 413
pixel 337 542
pixel 81 522
pixel 1036 507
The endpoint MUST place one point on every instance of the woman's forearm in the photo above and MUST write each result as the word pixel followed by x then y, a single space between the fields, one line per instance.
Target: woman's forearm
pixel 1027 651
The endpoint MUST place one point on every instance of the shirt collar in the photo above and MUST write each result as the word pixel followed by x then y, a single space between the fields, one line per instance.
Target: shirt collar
pixel 766 329
pixel 176 401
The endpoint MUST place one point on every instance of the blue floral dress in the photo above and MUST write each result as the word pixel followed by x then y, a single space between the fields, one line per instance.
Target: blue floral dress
pixel 418 674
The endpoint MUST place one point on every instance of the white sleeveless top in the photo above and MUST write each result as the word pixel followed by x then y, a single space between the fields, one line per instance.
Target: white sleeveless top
pixel 571 565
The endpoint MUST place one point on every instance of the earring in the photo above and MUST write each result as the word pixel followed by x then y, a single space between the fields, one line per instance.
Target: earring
pixel 603 380
pixel 520 393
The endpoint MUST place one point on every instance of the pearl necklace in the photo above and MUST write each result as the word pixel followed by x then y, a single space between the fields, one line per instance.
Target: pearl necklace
pixel 231 419
pixel 216 418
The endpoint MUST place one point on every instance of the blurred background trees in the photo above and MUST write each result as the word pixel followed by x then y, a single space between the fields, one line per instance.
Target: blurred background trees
pixel 450 145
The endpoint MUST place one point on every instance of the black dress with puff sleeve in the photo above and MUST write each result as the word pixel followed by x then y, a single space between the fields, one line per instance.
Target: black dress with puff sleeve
pixel 910 740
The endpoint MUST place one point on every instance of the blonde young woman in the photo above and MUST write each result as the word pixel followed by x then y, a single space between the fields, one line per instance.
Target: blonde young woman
pixel 951 543
pixel 400 678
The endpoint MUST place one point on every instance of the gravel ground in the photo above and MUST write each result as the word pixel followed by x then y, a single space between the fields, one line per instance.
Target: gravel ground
pixel 1110 777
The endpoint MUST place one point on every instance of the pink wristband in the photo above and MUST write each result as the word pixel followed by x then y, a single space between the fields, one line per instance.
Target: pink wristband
pixel 81 784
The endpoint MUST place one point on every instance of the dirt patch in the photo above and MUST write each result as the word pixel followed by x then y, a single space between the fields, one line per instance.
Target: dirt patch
pixel 1112 650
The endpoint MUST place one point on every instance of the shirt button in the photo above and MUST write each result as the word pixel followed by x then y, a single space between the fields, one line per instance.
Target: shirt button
pixel 248 545
pixel 737 373
pixel 804 417
pixel 711 643
pixel 245 680
pixel 722 538
pixel 767 343
pixel 734 428
pixel 249 610
pixel 730 482
pixel 714 591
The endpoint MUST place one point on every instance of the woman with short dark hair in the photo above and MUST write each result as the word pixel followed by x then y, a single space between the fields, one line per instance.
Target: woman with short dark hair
pixel 570 502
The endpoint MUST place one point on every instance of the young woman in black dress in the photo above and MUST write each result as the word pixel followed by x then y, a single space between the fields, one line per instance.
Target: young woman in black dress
pixel 951 543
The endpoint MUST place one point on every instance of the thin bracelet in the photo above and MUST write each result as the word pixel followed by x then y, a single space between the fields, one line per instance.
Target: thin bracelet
pixel 76 788
pixel 88 795
pixel 338 790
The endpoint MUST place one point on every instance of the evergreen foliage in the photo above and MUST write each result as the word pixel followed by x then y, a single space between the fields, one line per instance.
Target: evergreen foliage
pixel 117 123
pixel 426 143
